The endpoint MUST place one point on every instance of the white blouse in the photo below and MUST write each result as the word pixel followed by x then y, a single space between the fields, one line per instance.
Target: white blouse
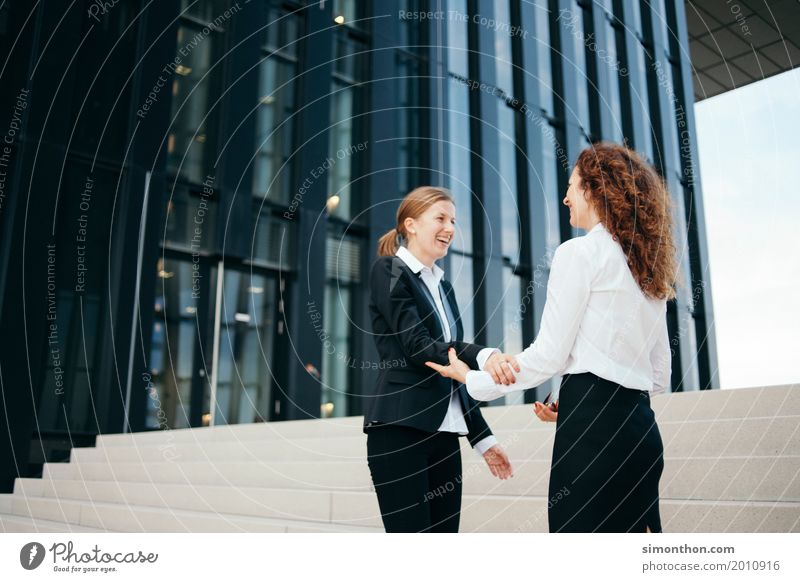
pixel 596 319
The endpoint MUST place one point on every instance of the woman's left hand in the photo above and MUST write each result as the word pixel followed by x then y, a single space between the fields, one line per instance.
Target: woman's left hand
pixel 457 370
pixel 498 462
pixel 546 413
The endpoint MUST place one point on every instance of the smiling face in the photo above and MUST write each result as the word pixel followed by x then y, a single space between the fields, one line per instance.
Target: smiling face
pixel 431 233
pixel 581 213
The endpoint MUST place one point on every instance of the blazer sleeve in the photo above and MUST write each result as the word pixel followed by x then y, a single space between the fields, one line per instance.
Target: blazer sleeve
pixel 476 424
pixel 391 295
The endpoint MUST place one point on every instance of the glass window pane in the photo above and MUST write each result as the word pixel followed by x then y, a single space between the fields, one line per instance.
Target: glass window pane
pixel 273 241
pixel 512 326
pixel 409 122
pixel 340 198
pixel 204 10
pixel 544 70
pixel 189 153
pixel 460 276
pixel 272 174
pixel 337 356
pixel 174 337
pixel 192 218
pixel 343 287
pixel 509 206
pixel 247 336
pixel 459 150
pixel 282 31
pixel 457 53
pixel 346 142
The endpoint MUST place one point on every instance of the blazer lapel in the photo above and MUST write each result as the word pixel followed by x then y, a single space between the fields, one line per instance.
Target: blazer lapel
pixel 451 299
pixel 433 313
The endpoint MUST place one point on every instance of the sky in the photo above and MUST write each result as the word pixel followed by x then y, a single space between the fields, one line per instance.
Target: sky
pixel 749 149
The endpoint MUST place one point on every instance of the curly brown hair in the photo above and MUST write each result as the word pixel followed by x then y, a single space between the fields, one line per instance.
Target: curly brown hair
pixel 633 203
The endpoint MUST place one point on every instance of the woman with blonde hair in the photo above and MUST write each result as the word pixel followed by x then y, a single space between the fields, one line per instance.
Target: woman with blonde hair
pixel 414 418
pixel 604 330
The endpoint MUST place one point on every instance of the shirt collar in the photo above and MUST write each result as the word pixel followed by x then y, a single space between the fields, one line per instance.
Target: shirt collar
pixel 416 265
pixel 598 226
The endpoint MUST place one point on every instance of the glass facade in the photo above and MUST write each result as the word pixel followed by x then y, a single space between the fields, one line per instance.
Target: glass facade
pixel 233 212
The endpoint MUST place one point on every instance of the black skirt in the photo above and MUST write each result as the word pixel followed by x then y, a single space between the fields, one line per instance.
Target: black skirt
pixel 607 459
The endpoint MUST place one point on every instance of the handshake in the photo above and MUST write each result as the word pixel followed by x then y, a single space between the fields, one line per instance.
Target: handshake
pixel 501 367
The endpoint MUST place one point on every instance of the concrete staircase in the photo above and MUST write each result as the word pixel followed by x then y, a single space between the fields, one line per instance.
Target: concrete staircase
pixel 732 464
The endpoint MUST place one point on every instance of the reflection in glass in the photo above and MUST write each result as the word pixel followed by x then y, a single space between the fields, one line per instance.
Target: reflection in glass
pixel 460 155
pixel 273 245
pixel 544 68
pixel 187 142
pixel 173 356
pixel 272 175
pixel 550 198
pixel 457 54
pixel 509 206
pixel 192 218
pixel 460 276
pixel 344 12
pixel 343 282
pixel 282 31
pixel 512 323
pixel 244 376
pixel 507 178
pixel 460 167
pixel 338 355
pixel 502 47
pixel 409 121
pixel 611 100
pixel 578 70
pixel 346 124
pixel 204 10
pixel 340 198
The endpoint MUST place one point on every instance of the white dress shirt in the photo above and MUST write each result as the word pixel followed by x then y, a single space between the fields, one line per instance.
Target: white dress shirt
pixel 454 419
pixel 596 319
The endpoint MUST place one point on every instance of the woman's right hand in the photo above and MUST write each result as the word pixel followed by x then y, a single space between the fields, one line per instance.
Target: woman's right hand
pixel 547 413
pixel 500 366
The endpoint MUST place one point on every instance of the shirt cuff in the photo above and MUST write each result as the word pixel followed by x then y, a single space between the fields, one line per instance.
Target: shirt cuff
pixel 484 355
pixel 485 444
pixel 481 386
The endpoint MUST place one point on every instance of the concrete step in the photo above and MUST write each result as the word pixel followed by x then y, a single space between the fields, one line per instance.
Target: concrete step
pixel 92 516
pixel 479 514
pixel 265 431
pixel 529 514
pixel 767 402
pixel 347 448
pixel 725 437
pixel 20 524
pixel 117 506
pixel 762 402
pixel 732 463
pixel 731 478
pixel 482 513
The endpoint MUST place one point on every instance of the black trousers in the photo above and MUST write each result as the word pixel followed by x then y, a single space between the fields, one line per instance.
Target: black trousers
pixel 607 459
pixel 417 477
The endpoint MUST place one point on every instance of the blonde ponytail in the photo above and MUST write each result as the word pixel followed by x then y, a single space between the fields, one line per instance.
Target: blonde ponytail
pixel 387 244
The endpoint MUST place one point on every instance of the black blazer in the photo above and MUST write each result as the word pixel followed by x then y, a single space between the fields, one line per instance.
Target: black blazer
pixel 408 333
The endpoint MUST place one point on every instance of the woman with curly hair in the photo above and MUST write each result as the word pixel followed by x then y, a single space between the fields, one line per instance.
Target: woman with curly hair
pixel 604 330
